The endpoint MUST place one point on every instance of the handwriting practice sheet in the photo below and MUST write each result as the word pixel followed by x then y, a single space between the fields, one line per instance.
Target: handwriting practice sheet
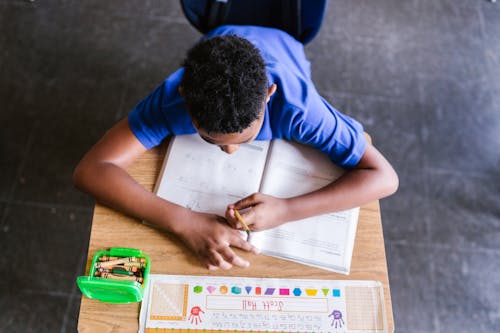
pixel 325 241
pixel 203 178
pixel 175 303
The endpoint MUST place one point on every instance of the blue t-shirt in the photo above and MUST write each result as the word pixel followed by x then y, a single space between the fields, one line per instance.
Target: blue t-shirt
pixel 295 112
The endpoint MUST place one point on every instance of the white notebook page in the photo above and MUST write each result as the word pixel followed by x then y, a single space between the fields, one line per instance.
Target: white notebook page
pixel 324 241
pixel 201 177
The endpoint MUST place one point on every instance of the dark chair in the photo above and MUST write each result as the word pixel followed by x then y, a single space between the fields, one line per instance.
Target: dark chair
pixel 301 19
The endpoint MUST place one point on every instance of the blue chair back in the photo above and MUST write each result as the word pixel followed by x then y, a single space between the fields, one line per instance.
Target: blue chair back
pixel 301 19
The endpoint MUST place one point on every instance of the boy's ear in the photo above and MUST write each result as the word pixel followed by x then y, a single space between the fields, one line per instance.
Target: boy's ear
pixel 180 90
pixel 270 91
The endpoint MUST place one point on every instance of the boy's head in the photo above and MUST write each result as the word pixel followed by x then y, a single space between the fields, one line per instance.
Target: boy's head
pixel 225 86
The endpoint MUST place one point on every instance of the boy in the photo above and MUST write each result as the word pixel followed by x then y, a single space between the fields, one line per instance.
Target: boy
pixel 240 83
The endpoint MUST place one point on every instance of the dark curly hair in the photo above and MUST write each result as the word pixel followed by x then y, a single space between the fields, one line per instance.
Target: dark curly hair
pixel 224 84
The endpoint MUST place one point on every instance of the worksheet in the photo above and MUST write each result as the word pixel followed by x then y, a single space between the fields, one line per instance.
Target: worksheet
pixel 175 303
pixel 201 177
pixel 325 241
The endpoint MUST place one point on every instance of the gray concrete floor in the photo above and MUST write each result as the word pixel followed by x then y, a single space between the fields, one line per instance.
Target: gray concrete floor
pixel 423 76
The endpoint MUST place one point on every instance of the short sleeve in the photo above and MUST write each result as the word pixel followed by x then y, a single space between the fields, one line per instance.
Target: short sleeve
pixel 150 119
pixel 335 134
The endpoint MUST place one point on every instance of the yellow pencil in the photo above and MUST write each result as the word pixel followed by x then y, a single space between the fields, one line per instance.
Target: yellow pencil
pixel 242 221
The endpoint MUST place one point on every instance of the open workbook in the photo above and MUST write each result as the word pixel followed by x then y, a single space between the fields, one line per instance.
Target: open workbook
pixel 201 177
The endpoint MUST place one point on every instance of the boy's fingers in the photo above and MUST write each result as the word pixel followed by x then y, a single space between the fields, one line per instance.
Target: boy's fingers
pixel 249 217
pixel 245 245
pixel 231 258
pixel 226 258
pixel 207 261
pixel 247 202
pixel 231 218
pixel 242 244
pixel 217 260
pixel 212 267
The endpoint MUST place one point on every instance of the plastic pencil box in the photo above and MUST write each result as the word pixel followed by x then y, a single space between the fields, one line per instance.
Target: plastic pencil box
pixel 117 284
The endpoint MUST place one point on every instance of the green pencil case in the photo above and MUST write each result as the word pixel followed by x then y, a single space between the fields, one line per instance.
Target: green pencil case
pixel 116 288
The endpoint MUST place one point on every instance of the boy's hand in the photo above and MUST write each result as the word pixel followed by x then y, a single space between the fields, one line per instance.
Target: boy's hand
pixel 211 238
pixel 260 212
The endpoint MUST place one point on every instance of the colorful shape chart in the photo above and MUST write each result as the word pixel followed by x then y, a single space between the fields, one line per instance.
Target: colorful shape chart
pixel 175 303
pixel 284 291
pixel 311 292
pixel 269 291
pixel 223 290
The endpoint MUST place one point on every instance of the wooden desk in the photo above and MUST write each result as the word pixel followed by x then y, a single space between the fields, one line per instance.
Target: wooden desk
pixel 169 256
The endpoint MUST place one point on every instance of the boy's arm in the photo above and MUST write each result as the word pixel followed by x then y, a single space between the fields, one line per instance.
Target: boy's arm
pixel 102 173
pixel 371 179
